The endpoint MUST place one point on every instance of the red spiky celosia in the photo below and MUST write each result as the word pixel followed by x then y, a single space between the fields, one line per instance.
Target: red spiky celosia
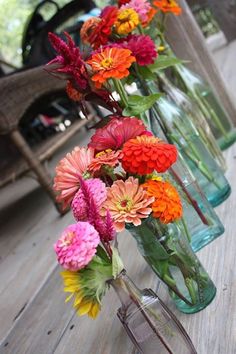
pixel 69 60
pixel 146 154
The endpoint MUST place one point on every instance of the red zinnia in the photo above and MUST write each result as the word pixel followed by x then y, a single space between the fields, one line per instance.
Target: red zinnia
pixel 145 154
pixel 101 30
pixel 116 133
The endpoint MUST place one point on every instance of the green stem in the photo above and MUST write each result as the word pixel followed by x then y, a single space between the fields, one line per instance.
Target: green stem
pixel 140 29
pixel 208 111
pixel 121 91
pixel 186 229
pixel 200 165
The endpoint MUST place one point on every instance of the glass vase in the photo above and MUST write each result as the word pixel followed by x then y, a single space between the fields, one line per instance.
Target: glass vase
pixel 199 216
pixel 151 326
pixel 166 249
pixel 195 115
pixel 179 131
pixel 218 120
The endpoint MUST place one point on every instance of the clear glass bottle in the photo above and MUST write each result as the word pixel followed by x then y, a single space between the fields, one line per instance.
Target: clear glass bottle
pixel 200 218
pixel 178 129
pixel 151 326
pixel 196 116
pixel 220 123
pixel 166 249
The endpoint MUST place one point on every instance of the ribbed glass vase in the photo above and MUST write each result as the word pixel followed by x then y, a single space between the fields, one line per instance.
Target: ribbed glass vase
pixel 202 223
pixel 166 249
pixel 211 108
pixel 196 116
pixel 179 131
pixel 151 326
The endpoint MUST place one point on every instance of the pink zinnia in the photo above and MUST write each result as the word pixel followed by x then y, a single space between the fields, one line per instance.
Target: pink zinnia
pixel 142 7
pixel 105 158
pixel 77 246
pixel 127 202
pixel 73 165
pixel 116 133
pixel 98 192
pixel 142 47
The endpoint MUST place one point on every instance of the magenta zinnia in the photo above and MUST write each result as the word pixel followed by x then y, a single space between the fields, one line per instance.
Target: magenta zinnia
pixel 98 192
pixel 142 47
pixel 127 203
pixel 116 133
pixel 68 170
pixel 77 246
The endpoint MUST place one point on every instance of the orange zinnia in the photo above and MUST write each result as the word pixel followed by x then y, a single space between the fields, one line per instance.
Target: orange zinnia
pixel 167 205
pixel 145 154
pixel 110 63
pixel 168 6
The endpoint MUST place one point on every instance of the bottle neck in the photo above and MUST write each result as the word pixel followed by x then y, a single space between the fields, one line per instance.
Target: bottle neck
pixel 126 290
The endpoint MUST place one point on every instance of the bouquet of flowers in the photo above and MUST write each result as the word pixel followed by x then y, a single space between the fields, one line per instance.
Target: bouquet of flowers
pixel 119 180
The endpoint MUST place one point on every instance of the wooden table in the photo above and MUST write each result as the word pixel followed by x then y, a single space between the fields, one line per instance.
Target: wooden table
pixel 48 325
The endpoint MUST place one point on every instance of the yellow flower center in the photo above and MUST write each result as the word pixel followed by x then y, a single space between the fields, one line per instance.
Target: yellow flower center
pixel 68 239
pixel 124 204
pixel 107 63
pixel 102 153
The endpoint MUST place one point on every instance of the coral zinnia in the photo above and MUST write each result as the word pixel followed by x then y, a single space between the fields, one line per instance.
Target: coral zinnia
pixel 127 21
pixel 110 63
pixel 98 192
pixel 116 133
pixel 168 6
pixel 142 47
pixel 73 93
pixel 142 8
pixel 127 203
pixel 145 154
pixel 77 246
pixel 68 170
pixel 107 157
pixel 167 205
pixel 97 31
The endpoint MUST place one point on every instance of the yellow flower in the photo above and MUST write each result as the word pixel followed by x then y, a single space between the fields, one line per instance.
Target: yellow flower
pixel 83 303
pixel 127 21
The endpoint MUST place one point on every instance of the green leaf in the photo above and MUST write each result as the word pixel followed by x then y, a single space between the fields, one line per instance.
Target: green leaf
pixel 146 73
pixel 163 62
pixel 140 104
pixel 117 264
pixel 102 254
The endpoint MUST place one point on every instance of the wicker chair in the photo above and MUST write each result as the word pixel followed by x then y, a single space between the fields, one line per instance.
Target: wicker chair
pixel 18 92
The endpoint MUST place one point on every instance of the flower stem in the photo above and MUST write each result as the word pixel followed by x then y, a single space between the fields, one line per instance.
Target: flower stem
pixel 121 91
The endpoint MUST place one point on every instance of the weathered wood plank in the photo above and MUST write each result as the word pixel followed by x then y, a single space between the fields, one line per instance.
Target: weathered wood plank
pixel 29 225
pixel 47 318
